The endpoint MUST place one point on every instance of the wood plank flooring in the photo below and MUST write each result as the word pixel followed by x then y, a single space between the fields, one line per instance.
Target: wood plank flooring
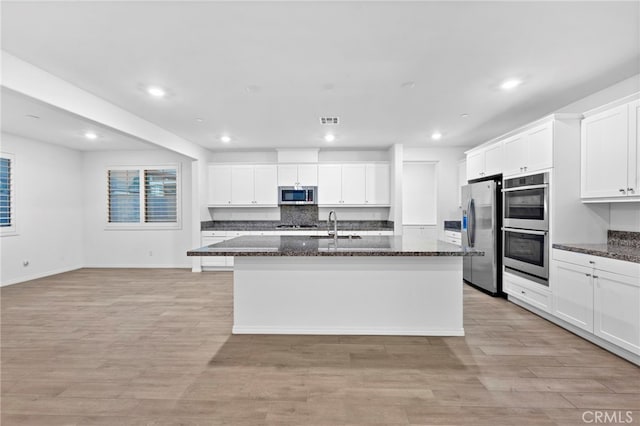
pixel 154 347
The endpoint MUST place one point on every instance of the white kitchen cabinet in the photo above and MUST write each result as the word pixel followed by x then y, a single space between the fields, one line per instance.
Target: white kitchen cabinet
pixel 219 185
pixel 353 184
pixel 617 309
pixel 213 237
pixel 610 154
pixel 485 161
pixel 357 184
pixel 573 294
pixel 297 175
pixel 528 291
pixel 599 295
pixel 377 182
pixel 529 151
pixel 419 232
pixel 453 237
pixel 242 185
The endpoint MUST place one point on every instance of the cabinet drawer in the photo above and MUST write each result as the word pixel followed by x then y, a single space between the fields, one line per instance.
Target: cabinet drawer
pixel 615 266
pixel 205 234
pixel 527 292
pixel 456 241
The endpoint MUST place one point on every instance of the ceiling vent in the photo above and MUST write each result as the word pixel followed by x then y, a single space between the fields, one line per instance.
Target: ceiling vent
pixel 329 120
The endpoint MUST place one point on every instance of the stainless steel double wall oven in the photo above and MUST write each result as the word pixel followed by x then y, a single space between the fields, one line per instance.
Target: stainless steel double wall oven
pixel 526 226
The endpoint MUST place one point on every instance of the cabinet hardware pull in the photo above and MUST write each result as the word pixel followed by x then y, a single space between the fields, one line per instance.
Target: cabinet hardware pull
pixel 592 262
pixel 630 190
pixel 622 191
pixel 522 291
pixel 595 276
pixel 588 275
pixel 525 168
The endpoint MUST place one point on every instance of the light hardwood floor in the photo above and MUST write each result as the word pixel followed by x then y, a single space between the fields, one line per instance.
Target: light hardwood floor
pixel 154 347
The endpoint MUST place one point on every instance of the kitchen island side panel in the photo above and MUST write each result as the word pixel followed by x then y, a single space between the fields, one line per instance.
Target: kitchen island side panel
pixel 412 296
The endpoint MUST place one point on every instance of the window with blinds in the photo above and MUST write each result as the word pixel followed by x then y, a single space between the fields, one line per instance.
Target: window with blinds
pixel 7 220
pixel 144 197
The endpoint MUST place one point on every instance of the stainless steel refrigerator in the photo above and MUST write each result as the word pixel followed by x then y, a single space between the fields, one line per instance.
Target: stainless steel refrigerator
pixel 481 229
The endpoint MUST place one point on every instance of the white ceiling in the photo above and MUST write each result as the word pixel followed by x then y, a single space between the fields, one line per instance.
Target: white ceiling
pixel 56 126
pixel 264 72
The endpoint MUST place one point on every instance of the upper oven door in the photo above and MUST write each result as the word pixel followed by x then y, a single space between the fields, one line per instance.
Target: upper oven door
pixel 527 207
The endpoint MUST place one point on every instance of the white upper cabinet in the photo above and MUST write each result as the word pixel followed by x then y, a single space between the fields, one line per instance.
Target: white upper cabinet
pixel 355 184
pixel 219 185
pixel 485 161
pixel 609 154
pixel 298 174
pixel 529 151
pixel 243 185
pixel 377 180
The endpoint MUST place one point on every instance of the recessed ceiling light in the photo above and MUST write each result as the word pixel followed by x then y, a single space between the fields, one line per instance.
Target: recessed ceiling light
pixel 252 88
pixel 408 85
pixel 199 120
pixel 436 136
pixel 225 138
pixel 464 115
pixel 35 117
pixel 156 91
pixel 510 84
pixel 90 135
pixel 329 137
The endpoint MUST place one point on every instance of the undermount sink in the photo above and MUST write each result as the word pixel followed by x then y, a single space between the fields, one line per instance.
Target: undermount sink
pixel 340 237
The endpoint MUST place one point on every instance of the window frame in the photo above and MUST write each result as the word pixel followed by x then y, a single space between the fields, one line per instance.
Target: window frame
pixel 11 229
pixel 141 224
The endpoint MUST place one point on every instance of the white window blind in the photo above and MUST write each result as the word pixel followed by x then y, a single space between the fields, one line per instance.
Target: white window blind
pixel 160 192
pixel 124 196
pixel 143 197
pixel 7 204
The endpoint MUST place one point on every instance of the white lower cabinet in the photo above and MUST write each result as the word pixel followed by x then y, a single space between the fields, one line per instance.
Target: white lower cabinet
pixel 213 237
pixel 598 295
pixel 530 292
pixel 617 309
pixel 573 294
pixel 420 232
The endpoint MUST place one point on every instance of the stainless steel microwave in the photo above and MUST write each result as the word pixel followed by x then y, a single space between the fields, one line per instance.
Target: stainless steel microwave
pixel 297 195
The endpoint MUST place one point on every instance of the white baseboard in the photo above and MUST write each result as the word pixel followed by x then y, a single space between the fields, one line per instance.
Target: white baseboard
pixel 23 278
pixel 138 266
pixel 344 331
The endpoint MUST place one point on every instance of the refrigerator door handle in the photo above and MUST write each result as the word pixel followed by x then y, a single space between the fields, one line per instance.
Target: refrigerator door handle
pixel 472 223
pixel 469 223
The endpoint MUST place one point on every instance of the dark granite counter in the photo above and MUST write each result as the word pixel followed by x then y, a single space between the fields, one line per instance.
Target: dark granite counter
pixel 620 245
pixel 309 246
pixel 276 225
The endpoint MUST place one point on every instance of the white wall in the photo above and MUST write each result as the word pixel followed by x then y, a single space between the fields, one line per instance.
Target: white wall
pixel 446 176
pixel 133 248
pixel 48 196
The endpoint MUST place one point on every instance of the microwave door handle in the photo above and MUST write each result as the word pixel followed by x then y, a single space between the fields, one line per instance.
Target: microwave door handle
pixel 522 188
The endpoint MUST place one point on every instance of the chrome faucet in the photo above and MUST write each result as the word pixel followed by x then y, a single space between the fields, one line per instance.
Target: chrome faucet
pixel 335 224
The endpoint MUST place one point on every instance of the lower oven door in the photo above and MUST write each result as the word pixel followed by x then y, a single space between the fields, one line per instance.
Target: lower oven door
pixel 527 251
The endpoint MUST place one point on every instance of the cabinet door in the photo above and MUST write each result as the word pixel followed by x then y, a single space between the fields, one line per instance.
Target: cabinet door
pixel 308 174
pixel 540 148
pixel 242 185
pixel 617 309
pixel 515 155
pixel 219 185
pixel 493 159
pixel 329 184
pixel 265 185
pixel 287 174
pixel 633 174
pixel 573 294
pixel 353 184
pixel 604 153
pixel 377 184
pixel 475 165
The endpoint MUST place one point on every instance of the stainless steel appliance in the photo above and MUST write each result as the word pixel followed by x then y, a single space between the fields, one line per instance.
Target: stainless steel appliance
pixel 297 195
pixel 526 202
pixel 527 251
pixel 481 224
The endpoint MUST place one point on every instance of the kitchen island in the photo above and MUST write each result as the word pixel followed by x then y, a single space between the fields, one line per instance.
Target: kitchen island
pixel 369 285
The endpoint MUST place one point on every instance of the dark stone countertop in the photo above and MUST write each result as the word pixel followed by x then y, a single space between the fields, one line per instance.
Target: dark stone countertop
pixel 309 246
pixel 272 225
pixel 612 251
